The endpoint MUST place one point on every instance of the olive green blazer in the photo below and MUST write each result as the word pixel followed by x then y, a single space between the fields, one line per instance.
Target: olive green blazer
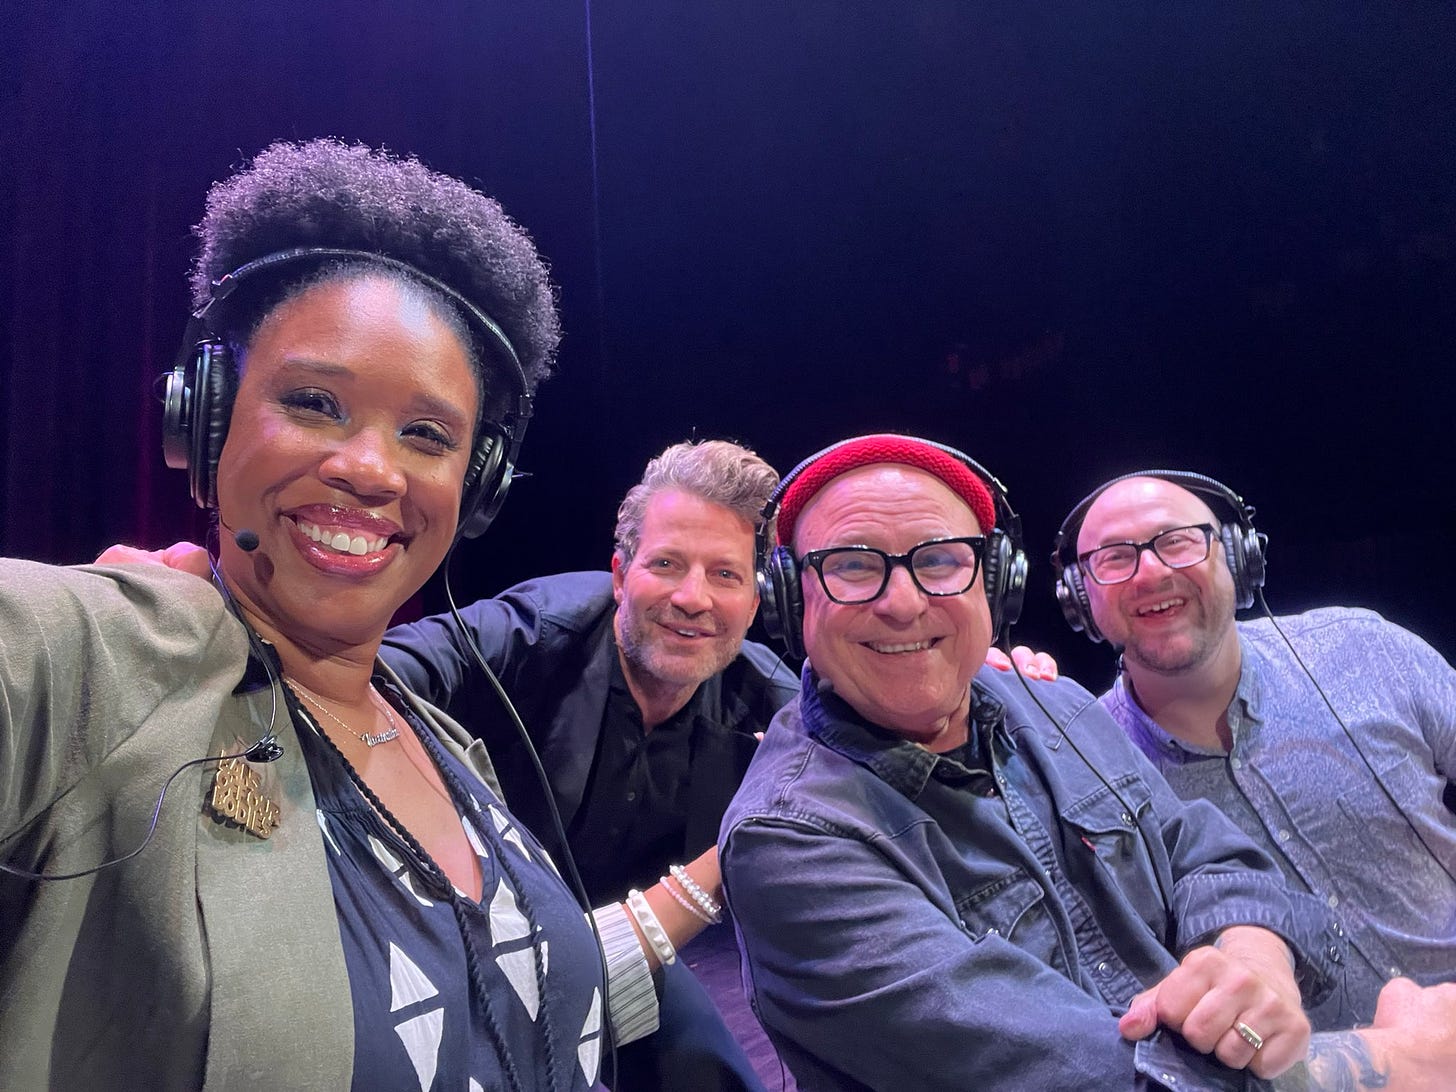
pixel 212 959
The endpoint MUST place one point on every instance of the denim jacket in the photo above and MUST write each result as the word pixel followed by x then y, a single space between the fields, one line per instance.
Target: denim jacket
pixel 912 922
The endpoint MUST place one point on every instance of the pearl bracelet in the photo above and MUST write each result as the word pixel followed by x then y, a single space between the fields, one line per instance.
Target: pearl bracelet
pixel 686 903
pixel 651 928
pixel 711 906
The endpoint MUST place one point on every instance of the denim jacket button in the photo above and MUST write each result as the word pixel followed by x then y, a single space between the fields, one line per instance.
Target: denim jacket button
pixel 1335 953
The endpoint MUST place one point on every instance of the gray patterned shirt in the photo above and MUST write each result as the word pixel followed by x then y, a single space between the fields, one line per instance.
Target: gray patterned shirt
pixel 1381 853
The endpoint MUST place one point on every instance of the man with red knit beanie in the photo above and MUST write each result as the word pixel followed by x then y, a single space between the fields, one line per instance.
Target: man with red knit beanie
pixel 948 879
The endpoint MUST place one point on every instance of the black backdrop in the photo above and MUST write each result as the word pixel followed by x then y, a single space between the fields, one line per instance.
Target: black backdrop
pixel 1069 237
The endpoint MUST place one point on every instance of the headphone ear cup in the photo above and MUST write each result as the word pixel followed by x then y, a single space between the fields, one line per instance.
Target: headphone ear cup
pixel 781 600
pixel 1244 549
pixel 487 480
pixel 1012 575
pixel 1256 555
pixel 1004 580
pixel 993 580
pixel 212 396
pixel 1076 607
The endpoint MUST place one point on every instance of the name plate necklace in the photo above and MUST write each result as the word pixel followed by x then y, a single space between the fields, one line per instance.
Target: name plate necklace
pixel 370 739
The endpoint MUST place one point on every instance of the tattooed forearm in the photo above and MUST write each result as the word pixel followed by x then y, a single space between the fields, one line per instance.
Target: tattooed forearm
pixel 1338 1062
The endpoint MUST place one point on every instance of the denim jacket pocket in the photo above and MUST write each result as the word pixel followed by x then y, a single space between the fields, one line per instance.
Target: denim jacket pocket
pixel 999 907
pixel 1107 823
pixel 1108 816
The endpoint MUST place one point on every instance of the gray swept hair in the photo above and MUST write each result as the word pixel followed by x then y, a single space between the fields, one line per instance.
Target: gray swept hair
pixel 718 471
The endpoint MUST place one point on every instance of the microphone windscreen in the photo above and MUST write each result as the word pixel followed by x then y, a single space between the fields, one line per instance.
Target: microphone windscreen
pixel 247 540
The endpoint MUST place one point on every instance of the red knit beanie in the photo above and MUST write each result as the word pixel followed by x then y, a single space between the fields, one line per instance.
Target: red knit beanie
pixel 883 448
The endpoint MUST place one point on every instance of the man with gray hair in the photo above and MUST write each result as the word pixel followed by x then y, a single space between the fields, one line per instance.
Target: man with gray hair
pixel 643 698
pixel 637 685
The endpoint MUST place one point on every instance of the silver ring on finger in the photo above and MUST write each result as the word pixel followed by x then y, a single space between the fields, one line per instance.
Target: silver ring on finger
pixel 1249 1035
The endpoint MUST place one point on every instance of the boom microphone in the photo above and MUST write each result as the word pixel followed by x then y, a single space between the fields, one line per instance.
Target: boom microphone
pixel 246 540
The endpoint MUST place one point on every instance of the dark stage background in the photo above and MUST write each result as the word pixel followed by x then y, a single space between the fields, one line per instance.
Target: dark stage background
pixel 1070 238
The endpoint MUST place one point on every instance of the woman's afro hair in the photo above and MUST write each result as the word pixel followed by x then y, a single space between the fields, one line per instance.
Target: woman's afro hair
pixel 327 193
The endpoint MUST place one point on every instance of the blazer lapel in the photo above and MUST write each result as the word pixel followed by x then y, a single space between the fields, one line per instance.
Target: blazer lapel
pixel 276 960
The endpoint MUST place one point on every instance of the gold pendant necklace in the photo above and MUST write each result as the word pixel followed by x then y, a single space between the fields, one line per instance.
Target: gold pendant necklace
pixel 370 739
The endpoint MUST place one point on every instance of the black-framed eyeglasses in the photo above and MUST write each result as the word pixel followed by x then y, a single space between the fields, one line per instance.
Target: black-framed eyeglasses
pixel 1177 548
pixel 860 574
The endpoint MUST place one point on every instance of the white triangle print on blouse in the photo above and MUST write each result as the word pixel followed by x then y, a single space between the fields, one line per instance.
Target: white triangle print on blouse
pixel 511 939
pixel 421 1037
pixel 473 838
pixel 323 822
pixel 407 983
pixel 589 1046
pixel 507 830
pixel 397 868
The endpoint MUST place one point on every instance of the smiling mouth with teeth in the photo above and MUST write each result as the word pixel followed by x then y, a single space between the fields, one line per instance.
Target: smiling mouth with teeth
pixel 1160 607
pixel 692 633
pixel 886 649
pixel 341 541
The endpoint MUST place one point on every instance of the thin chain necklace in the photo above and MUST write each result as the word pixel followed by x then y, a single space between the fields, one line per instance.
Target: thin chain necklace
pixel 370 739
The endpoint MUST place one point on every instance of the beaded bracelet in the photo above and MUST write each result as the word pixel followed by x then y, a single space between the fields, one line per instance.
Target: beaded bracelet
pixel 651 928
pixel 686 903
pixel 711 906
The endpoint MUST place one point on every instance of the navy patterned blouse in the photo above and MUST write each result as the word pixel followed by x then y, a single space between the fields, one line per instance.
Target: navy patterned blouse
pixel 449 993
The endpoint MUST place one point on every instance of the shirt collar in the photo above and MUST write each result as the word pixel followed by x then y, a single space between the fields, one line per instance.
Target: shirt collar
pixel 1243 711
pixel 904 766
pixel 1249 696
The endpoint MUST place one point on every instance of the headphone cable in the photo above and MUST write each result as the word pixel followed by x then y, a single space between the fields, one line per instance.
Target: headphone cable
pixel 558 829
pixel 1061 731
pixel 1385 790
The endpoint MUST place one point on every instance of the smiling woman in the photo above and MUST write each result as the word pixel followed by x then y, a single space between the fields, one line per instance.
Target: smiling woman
pixel 347 466
pixel 334 894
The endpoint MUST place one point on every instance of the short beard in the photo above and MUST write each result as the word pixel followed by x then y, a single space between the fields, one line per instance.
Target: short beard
pixel 1165 662
pixel 652 671
pixel 1158 657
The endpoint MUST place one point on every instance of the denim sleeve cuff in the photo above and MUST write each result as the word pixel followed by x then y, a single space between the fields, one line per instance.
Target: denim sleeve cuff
pixel 1205 904
pixel 1326 947
pixel 1222 900
pixel 1164 1061
pixel 629 980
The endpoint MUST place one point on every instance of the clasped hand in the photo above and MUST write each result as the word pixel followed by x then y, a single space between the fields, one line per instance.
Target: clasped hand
pixel 1246 978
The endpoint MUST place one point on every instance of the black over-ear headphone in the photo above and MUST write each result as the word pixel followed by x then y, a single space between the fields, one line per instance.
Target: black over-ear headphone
pixel 781 599
pixel 199 390
pixel 1243 546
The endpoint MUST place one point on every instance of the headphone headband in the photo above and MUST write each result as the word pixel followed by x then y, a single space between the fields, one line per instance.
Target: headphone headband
pixel 198 396
pixel 1064 550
